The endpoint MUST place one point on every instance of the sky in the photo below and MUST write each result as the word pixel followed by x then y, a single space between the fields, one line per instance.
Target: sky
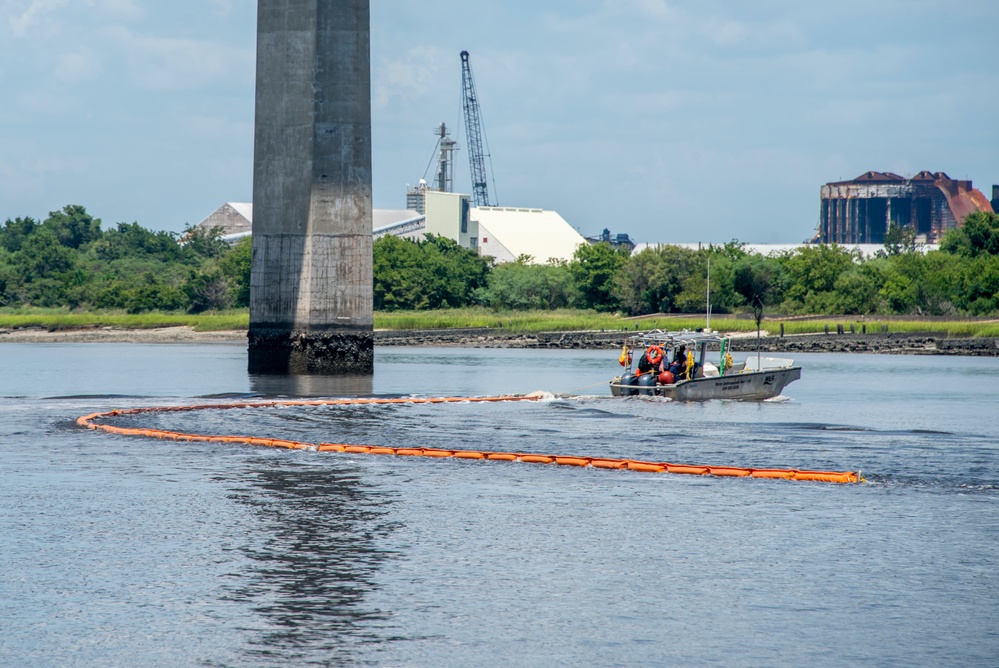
pixel 671 121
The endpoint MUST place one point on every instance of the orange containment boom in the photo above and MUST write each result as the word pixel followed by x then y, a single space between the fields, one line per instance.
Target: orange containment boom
pixel 94 421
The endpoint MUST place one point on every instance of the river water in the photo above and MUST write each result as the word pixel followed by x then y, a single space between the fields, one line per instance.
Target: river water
pixel 122 551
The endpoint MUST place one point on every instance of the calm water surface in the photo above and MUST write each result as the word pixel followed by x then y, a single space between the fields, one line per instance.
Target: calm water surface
pixel 118 551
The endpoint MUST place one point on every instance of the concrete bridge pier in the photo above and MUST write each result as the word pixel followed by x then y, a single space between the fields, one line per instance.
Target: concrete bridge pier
pixel 311 281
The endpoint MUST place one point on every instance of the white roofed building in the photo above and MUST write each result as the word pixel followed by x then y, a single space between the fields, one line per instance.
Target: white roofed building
pixel 236 221
pixel 504 233
pixel 234 218
pixel 507 233
pixel 447 215
pixel 406 223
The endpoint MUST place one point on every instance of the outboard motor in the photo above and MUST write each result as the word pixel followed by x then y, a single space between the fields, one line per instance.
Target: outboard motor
pixel 629 380
pixel 647 381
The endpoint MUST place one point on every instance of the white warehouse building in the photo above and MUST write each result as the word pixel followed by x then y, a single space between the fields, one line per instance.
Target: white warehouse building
pixel 504 233
pixel 507 233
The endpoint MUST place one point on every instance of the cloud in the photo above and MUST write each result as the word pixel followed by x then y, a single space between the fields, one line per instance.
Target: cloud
pixel 48 17
pixel 407 79
pixel 36 17
pixel 81 65
pixel 777 35
pixel 171 64
pixel 654 9
pixel 221 8
pixel 33 168
pixel 122 10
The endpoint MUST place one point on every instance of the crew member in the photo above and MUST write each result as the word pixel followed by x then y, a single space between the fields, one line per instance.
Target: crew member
pixel 652 360
pixel 679 366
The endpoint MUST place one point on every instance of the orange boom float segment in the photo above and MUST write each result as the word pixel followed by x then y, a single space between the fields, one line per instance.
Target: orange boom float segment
pixel 93 421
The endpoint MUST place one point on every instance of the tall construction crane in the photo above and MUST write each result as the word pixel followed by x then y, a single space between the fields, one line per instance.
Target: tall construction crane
pixel 473 128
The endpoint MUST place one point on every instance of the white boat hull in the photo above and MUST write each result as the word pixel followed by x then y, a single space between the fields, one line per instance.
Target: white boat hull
pixel 745 386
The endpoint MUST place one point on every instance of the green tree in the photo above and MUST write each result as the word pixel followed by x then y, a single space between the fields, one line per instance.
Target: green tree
pixel 452 274
pixel 976 289
pixel 432 273
pixel 235 266
pixel 759 280
pixel 693 286
pixel 207 290
pixel 41 266
pixel 857 290
pixel 899 239
pixel 652 281
pixel 14 232
pixel 920 284
pixel 68 261
pixel 152 293
pixel 112 294
pixel 133 240
pixel 979 235
pixel 397 268
pixel 519 285
pixel 10 283
pixel 73 227
pixel 812 272
pixel 593 269
pixel 200 244
pixel 42 256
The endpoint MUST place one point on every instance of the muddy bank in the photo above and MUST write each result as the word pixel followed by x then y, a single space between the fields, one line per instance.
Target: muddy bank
pixel 116 335
pixel 928 343
pixel 925 343
pixel 911 343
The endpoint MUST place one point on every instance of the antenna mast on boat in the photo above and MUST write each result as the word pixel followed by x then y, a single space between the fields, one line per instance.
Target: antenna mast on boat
pixel 707 299
pixel 758 315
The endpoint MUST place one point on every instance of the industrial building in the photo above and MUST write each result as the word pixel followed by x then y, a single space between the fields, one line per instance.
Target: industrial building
pixel 510 233
pixel 234 219
pixel 930 203
pixel 473 220
pixel 504 233
pixel 619 240
pixel 447 215
pixel 866 251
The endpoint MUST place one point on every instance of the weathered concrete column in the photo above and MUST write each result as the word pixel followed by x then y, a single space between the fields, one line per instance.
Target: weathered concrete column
pixel 311 284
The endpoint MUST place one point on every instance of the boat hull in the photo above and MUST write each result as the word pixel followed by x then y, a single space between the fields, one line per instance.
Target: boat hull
pixel 746 386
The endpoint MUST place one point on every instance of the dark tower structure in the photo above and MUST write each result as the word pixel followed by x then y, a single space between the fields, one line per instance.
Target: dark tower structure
pixel 311 283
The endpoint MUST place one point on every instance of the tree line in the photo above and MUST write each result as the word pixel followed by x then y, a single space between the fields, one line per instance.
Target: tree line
pixel 68 260
pixel 962 278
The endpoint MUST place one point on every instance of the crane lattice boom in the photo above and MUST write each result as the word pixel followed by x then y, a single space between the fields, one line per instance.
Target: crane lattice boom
pixel 473 128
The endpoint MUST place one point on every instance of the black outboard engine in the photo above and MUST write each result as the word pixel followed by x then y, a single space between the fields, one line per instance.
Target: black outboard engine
pixel 647 383
pixel 629 379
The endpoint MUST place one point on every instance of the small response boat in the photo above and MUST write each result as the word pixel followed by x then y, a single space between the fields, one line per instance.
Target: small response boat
pixel 675 365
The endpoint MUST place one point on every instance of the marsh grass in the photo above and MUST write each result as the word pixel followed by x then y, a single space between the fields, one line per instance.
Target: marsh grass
pixel 57 319
pixel 955 328
pixel 564 320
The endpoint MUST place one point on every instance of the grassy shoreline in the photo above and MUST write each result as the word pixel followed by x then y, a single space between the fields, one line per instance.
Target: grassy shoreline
pixel 60 320
pixel 517 322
